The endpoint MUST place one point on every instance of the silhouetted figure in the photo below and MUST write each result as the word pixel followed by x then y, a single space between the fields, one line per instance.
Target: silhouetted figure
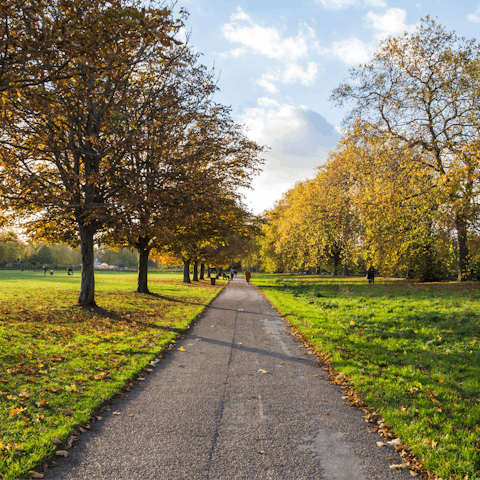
pixel 371 275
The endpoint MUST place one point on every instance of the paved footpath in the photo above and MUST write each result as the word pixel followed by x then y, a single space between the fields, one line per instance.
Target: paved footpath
pixel 210 413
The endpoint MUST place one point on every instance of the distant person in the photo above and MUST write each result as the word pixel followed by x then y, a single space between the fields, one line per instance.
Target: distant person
pixel 235 272
pixel 52 272
pixel 248 277
pixel 69 271
pixel 44 269
pixel 232 273
pixel 371 275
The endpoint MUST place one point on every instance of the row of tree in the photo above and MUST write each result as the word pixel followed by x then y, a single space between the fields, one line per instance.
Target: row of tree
pixel 110 134
pixel 401 190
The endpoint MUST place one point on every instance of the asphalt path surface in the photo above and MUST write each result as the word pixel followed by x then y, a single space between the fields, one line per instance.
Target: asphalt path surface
pixel 244 400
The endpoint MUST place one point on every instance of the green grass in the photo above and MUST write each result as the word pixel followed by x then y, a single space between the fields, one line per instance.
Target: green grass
pixel 59 363
pixel 411 350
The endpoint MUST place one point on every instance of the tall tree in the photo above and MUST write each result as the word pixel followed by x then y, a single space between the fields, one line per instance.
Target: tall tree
pixel 422 90
pixel 67 138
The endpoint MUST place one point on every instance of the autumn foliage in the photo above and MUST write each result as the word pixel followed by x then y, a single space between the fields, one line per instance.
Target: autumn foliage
pixel 400 191
pixel 109 128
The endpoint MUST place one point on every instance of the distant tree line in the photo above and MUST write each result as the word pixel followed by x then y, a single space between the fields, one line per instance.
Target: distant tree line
pixel 401 190
pixel 110 135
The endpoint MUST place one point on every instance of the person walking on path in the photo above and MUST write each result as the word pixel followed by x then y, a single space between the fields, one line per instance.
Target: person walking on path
pixel 44 269
pixel 248 277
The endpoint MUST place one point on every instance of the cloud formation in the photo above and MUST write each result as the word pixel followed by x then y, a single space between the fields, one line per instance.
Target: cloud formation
pixel 350 51
pixel 338 4
pixel 475 17
pixel 299 141
pixel 391 23
pixel 268 42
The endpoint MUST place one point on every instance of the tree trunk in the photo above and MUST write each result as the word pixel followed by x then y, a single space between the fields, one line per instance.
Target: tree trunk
pixel 186 271
pixel 336 260
pixel 143 253
pixel 87 285
pixel 462 268
pixel 202 271
pixel 195 271
pixel 209 271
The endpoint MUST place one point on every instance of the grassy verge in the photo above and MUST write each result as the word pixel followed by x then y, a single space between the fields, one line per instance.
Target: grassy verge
pixel 59 363
pixel 411 350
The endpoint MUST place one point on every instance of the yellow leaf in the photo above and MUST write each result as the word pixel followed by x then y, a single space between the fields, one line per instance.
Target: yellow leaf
pixel 352 322
pixel 182 349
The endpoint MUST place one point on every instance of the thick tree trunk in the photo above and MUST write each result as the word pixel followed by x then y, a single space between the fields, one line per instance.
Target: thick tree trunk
pixel 186 271
pixel 209 271
pixel 202 271
pixel 462 268
pixel 336 261
pixel 87 285
pixel 195 271
pixel 143 254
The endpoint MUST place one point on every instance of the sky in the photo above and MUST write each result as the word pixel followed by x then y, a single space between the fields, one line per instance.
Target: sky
pixel 278 61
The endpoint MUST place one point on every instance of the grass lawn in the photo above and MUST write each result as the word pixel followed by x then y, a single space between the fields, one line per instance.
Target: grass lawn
pixel 411 351
pixel 59 363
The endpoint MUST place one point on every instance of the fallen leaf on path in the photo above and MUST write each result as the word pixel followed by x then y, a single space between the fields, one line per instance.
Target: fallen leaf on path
pixel 266 343
pixel 413 474
pixel 182 349
pixel 36 475
pixel 263 371
pixel 261 452
pixel 395 442
pixel 380 444
pixel 141 379
pixel 98 418
pixel 117 413
pixel 400 466
pixel 62 453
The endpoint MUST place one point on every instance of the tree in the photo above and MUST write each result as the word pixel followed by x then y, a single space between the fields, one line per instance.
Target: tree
pixel 422 90
pixel 67 138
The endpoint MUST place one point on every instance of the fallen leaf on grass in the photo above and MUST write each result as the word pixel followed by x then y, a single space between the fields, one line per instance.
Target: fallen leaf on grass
pixel 56 441
pixel 15 411
pixel 62 453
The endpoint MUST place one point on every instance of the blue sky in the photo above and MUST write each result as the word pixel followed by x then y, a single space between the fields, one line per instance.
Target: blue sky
pixel 278 62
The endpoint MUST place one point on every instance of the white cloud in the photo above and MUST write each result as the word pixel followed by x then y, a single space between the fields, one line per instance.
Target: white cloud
pixel 290 73
pixel 475 17
pixel 267 41
pixel 286 51
pixel 240 15
pixel 338 4
pixel 390 23
pixel 299 140
pixel 267 84
pixel 350 51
